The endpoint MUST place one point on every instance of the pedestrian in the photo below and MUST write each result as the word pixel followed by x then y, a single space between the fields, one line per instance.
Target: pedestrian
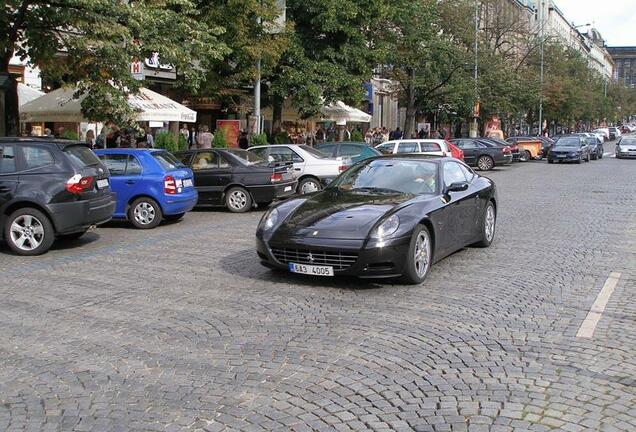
pixel 113 137
pixel 204 138
pixel 421 134
pixel 90 138
pixel 347 134
pixel 398 134
pixel 243 142
pixel 185 132
pixel 150 140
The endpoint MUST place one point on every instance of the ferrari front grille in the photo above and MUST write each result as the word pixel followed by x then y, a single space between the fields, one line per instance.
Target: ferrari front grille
pixel 338 260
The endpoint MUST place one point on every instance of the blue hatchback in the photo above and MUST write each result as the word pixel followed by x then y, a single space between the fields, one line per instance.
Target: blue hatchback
pixel 150 185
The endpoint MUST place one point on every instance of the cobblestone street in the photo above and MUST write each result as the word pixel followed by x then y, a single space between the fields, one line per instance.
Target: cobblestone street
pixel 180 328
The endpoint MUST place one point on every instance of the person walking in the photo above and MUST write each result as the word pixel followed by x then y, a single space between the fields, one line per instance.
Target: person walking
pixel 204 138
pixel 185 132
pixel 243 142
pixel 150 140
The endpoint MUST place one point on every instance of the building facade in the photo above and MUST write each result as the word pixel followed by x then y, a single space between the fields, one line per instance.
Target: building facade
pixel 625 60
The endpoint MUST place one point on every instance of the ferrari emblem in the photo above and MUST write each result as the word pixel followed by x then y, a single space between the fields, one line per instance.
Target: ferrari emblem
pixel 310 257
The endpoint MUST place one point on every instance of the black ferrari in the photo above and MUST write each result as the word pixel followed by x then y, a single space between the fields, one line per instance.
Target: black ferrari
pixel 386 217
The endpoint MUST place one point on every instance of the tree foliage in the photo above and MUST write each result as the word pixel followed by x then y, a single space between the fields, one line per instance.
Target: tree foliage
pixel 91 43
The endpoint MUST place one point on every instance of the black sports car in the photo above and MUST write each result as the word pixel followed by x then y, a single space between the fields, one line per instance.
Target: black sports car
pixel 237 179
pixel 387 217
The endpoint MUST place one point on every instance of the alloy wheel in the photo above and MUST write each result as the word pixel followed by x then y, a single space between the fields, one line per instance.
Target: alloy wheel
pixel 422 254
pixel 237 200
pixel 310 187
pixel 489 223
pixel 27 232
pixel 485 163
pixel 144 213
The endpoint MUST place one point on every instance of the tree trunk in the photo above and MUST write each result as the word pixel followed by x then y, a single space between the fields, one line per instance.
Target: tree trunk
pixel 9 110
pixel 277 114
pixel 409 125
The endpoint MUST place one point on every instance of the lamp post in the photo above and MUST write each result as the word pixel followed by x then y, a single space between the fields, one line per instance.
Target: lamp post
pixel 475 127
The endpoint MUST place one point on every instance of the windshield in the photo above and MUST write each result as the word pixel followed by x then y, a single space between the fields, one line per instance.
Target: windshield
pixel 568 142
pixel 312 151
pixel 81 156
pixel 390 176
pixel 167 160
pixel 627 141
pixel 249 158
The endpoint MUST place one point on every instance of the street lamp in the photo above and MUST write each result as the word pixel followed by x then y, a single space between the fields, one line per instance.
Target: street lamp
pixel 475 128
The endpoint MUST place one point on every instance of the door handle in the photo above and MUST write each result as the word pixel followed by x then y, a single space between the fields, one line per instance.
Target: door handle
pixel 297 169
pixel 130 182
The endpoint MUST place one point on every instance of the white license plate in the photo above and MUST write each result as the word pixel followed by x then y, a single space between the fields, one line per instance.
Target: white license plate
pixel 311 270
pixel 101 184
pixel 188 183
pixel 560 156
pixel 288 188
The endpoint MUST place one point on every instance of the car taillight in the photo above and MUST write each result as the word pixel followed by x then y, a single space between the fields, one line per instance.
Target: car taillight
pixel 506 150
pixel 78 184
pixel 169 185
pixel 276 177
pixel 343 168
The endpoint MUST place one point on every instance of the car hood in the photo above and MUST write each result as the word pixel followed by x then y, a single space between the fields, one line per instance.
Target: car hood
pixel 339 215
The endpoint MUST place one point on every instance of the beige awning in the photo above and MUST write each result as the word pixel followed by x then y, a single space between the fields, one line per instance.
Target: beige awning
pixel 343 113
pixel 60 106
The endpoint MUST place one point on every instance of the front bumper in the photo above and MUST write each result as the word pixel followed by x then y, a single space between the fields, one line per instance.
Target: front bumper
pixel 565 158
pixel 78 216
pixel 626 155
pixel 374 259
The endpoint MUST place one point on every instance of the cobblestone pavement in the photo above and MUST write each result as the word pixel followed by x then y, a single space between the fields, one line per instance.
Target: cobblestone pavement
pixel 180 328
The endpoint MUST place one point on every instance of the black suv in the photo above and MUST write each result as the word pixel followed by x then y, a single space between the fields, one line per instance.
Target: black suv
pixel 48 189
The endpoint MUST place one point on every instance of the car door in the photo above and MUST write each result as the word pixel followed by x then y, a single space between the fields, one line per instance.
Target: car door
pixel 208 177
pixel 285 154
pixel 122 185
pixel 470 149
pixel 460 206
pixel 9 176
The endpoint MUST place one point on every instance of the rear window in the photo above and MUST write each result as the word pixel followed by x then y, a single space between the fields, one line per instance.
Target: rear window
pixel 249 158
pixel 312 151
pixel 167 160
pixel 81 156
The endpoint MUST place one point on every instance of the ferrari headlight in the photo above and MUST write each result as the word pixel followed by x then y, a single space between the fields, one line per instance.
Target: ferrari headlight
pixel 270 220
pixel 387 228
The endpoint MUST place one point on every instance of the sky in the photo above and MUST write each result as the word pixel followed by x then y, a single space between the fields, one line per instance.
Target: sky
pixel 614 19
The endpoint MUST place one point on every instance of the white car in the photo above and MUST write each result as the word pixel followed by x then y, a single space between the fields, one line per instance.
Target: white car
pixel 604 132
pixel 311 167
pixel 437 147
pixel 626 148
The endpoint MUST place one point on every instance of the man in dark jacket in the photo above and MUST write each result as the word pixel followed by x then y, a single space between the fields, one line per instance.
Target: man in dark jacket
pixel 243 142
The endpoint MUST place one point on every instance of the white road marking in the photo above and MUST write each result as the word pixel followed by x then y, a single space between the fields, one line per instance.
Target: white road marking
pixel 596 312
pixel 607 154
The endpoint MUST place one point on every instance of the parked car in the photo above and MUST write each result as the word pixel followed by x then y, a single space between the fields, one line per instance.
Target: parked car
pixel 596 145
pixel 351 152
pixel 482 154
pixel 50 189
pixel 527 142
pixel 389 217
pixel 435 147
pixel 572 148
pixel 238 179
pixel 603 131
pixel 626 148
pixel 150 185
pixel 311 167
pixel 514 148
pixel 614 133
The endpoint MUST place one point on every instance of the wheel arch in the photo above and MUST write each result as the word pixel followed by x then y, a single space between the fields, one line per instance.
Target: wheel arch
pixel 17 205
pixel 142 195
pixel 426 222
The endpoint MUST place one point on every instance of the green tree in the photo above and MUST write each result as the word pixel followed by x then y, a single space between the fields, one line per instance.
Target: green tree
pixel 91 43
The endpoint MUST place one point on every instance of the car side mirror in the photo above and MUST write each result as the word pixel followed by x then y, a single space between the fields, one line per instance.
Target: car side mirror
pixel 457 187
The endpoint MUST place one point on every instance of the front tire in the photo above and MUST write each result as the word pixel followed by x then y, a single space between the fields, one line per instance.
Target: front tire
pixel 238 200
pixel 419 257
pixel 489 226
pixel 29 232
pixel 485 163
pixel 526 156
pixel 145 213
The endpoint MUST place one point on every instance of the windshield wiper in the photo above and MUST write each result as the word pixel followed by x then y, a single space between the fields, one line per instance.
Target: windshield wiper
pixel 377 190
